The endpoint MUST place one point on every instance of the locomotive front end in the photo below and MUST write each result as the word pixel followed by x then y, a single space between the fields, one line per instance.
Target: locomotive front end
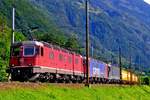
pixel 23 58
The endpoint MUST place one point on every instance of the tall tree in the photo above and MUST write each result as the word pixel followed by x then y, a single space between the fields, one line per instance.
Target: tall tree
pixel 73 44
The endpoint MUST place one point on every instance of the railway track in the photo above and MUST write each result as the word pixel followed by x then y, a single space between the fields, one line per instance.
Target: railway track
pixel 7 85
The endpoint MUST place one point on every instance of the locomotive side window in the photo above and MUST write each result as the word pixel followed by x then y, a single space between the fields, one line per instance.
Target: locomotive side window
pixel 51 55
pixel 69 60
pixel 60 57
pixel 76 61
pixel 64 58
pixel 29 51
pixel 42 51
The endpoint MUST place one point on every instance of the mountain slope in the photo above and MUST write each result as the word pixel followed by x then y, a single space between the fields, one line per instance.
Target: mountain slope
pixel 27 16
pixel 112 23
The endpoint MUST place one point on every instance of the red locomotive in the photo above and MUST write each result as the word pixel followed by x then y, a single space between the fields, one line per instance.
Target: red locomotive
pixel 31 59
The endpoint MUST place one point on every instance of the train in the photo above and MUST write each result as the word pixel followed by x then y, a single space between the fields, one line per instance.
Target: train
pixel 129 77
pixel 38 60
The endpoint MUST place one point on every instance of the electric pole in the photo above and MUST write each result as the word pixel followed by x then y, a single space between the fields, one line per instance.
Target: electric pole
pixel 130 70
pixel 12 35
pixel 120 64
pixel 13 24
pixel 92 51
pixel 139 71
pixel 87 42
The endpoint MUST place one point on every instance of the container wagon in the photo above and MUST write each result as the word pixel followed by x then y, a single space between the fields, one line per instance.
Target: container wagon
pixel 114 74
pixel 98 71
pixel 129 77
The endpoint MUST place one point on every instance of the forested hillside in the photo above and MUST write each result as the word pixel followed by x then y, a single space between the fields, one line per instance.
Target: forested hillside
pixel 28 17
pixel 113 23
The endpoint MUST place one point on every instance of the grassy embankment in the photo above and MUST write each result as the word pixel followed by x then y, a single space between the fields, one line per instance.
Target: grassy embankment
pixel 27 91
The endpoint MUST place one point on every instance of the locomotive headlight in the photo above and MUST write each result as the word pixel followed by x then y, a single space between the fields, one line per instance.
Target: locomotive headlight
pixel 18 71
pixel 30 64
pixel 12 65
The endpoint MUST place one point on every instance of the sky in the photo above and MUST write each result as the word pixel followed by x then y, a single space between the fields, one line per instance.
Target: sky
pixel 148 1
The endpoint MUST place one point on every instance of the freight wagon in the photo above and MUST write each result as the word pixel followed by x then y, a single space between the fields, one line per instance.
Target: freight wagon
pixel 98 71
pixel 129 77
pixel 125 76
pixel 114 74
pixel 135 78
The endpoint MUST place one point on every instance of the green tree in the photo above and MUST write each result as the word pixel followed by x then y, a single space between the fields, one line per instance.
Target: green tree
pixel 72 43
pixel 146 81
pixel 3 73
pixel 53 38
pixel 5 40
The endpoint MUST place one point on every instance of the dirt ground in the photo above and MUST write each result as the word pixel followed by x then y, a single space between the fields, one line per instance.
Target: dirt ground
pixel 11 85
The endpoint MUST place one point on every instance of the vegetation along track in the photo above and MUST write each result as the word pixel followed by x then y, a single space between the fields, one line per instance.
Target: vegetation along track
pixel 59 91
pixel 5 85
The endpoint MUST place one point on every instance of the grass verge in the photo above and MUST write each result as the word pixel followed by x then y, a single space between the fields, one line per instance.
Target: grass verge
pixel 30 91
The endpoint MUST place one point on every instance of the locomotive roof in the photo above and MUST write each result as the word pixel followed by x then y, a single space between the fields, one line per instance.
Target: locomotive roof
pixel 58 47
pixel 96 60
pixel 42 43
pixel 33 43
pixel 27 43
pixel 115 65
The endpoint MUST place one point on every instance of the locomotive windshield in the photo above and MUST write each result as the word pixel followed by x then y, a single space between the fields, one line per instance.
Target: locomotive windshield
pixel 29 50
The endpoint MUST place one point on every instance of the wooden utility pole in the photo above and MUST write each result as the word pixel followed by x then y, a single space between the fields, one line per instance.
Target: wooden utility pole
pixel 130 70
pixel 12 35
pixel 87 43
pixel 120 63
pixel 139 78
pixel 130 64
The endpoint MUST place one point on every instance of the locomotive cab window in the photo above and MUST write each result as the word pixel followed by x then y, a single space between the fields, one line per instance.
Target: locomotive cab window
pixel 29 51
